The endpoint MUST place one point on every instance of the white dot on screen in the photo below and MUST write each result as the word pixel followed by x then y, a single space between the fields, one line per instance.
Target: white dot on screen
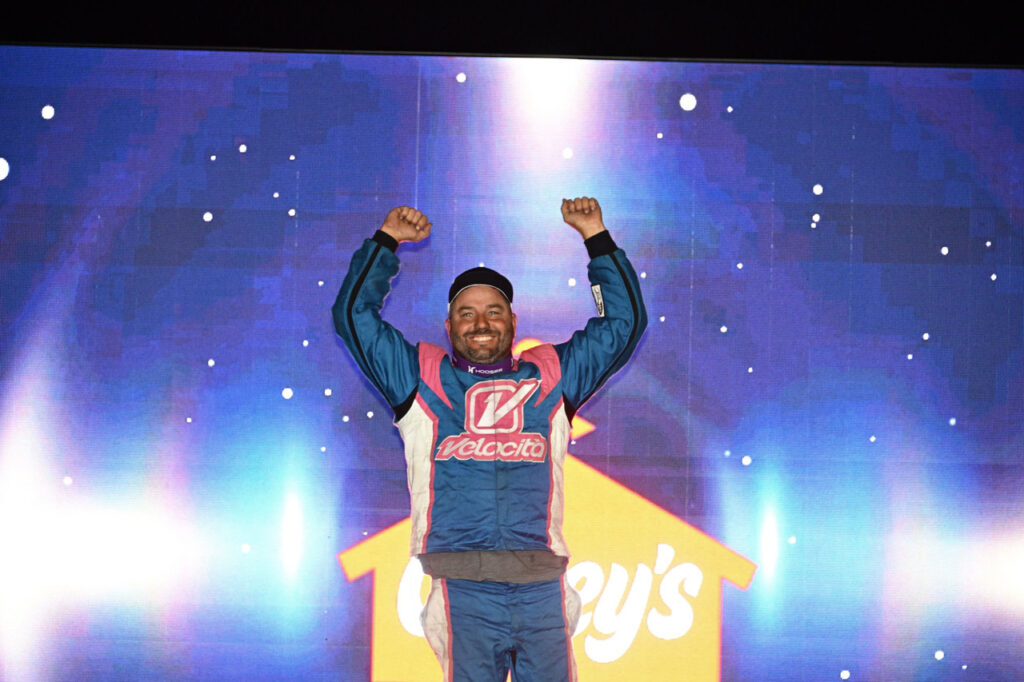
pixel 688 102
pixel 792 539
pixel 246 548
pixel 305 342
pixel 910 356
pixel 291 212
pixel 750 370
pixel 5 168
pixel 287 393
pixel 746 460
pixel 729 109
pixel 364 532
pixel 939 655
pixel 872 439
pixel 461 78
pixel 844 675
pixel 944 250
pixel 661 319
pixel 963 667
pixel 207 217
pixel 188 420
pixel 213 157
pixel 814 226
pixel 242 148
pixel 480 264
pixel 817 189
pixel 67 480
pixel 643 275
pixel 276 195
pixel 320 283
pixel 567 153
pixel 345 418
pixel 660 136
pixel 210 363
pixel 328 392
pixel 952 421
pixel 739 266
pixel 993 277
pixel 816 217
pixel 369 415
pixel 47 112
pixel 988 245
pixel 291 157
pixel 572 281
pixel 728 453
pixel 323 448
pixel 926 336
pixel 723 329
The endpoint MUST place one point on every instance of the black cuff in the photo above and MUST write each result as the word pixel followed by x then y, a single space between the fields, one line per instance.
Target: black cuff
pixel 600 244
pixel 385 240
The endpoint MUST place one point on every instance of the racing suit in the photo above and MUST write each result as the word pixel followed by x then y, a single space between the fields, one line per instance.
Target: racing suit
pixel 484 457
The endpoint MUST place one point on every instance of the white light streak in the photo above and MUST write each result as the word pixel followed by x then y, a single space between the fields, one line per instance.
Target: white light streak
pixel 769 544
pixel 291 535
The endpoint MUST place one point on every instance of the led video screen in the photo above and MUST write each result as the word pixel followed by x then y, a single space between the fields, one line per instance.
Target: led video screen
pixel 811 468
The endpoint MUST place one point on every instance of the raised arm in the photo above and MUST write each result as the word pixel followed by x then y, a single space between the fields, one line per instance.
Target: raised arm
pixel 602 347
pixel 380 350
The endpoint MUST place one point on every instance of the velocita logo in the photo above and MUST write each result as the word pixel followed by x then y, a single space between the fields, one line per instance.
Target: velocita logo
pixel 495 408
pixel 650 584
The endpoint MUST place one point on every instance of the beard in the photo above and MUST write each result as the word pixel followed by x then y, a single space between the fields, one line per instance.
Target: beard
pixel 483 354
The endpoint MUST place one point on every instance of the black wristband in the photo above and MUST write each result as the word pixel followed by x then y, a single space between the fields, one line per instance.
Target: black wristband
pixel 600 244
pixel 385 240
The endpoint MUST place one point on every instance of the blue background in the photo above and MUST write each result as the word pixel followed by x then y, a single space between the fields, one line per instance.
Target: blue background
pixel 881 498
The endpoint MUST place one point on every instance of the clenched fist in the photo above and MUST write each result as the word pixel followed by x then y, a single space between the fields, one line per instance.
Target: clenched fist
pixel 583 214
pixel 406 224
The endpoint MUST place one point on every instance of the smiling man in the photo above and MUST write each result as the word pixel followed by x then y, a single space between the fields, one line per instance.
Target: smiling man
pixel 486 436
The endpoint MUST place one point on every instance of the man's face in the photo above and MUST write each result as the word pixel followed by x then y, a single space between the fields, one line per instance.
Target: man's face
pixel 481 325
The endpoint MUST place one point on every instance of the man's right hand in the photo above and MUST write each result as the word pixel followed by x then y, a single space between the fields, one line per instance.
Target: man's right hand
pixel 406 224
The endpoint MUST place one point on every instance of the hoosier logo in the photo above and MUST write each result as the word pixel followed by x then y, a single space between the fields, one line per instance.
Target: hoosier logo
pixel 494 425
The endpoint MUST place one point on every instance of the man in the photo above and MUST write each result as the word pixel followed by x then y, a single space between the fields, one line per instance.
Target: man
pixel 485 440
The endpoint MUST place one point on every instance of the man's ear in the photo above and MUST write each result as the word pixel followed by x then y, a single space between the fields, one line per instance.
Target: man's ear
pixel 448 325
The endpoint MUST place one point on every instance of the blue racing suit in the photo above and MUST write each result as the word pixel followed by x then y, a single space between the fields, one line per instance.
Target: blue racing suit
pixel 484 454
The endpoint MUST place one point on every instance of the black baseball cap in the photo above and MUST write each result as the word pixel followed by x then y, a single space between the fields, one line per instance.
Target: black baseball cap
pixel 480 275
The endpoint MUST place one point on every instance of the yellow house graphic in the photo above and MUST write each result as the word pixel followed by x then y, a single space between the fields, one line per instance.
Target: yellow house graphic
pixel 651 586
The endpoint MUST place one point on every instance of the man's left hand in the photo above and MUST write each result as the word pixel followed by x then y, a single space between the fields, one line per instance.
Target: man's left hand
pixel 583 214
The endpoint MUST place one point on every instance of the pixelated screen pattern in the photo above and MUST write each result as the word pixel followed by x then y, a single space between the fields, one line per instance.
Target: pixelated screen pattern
pixel 831 383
